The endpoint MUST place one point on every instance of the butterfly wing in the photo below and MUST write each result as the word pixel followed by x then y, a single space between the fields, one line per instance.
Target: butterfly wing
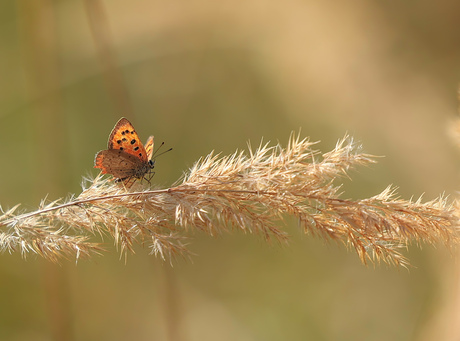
pixel 118 163
pixel 125 138
pixel 149 148
pixel 125 157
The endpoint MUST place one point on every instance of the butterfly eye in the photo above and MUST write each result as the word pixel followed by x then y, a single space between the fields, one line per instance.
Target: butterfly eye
pixel 151 163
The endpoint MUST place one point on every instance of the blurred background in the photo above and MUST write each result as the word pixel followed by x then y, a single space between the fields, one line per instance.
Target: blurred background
pixel 211 75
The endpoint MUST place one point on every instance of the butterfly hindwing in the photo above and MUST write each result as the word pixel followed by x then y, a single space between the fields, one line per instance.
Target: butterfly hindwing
pixel 149 148
pixel 118 163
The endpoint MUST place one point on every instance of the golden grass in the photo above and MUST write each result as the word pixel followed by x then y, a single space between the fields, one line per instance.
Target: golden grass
pixel 251 192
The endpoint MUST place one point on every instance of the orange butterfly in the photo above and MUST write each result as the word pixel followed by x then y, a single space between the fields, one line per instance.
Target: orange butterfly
pixel 125 157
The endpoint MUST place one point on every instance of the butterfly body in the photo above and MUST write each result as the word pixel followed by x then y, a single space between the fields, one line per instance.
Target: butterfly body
pixel 125 157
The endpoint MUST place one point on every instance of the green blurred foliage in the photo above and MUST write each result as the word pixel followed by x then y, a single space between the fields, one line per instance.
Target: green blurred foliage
pixel 202 76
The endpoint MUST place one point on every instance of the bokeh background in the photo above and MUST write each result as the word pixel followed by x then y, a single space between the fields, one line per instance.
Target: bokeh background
pixel 211 75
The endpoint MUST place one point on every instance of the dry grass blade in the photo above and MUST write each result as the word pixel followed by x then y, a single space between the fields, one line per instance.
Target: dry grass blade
pixel 252 193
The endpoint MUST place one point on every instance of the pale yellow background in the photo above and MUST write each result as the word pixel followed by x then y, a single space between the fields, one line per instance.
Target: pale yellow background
pixel 204 75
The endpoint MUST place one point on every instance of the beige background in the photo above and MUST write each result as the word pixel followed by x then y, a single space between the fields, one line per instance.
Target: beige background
pixel 204 75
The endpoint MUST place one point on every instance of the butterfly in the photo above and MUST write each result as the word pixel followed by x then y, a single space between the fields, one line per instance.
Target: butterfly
pixel 125 157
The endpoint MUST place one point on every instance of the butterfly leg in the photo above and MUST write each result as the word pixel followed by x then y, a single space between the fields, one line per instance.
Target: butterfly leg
pixel 127 182
pixel 130 182
pixel 149 176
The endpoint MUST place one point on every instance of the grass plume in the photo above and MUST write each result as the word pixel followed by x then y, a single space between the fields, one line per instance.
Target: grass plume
pixel 252 192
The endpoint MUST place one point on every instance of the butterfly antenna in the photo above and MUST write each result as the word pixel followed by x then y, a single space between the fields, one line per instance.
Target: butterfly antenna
pixel 157 150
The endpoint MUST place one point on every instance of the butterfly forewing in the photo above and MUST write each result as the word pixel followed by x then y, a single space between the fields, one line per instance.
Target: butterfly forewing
pixel 125 138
